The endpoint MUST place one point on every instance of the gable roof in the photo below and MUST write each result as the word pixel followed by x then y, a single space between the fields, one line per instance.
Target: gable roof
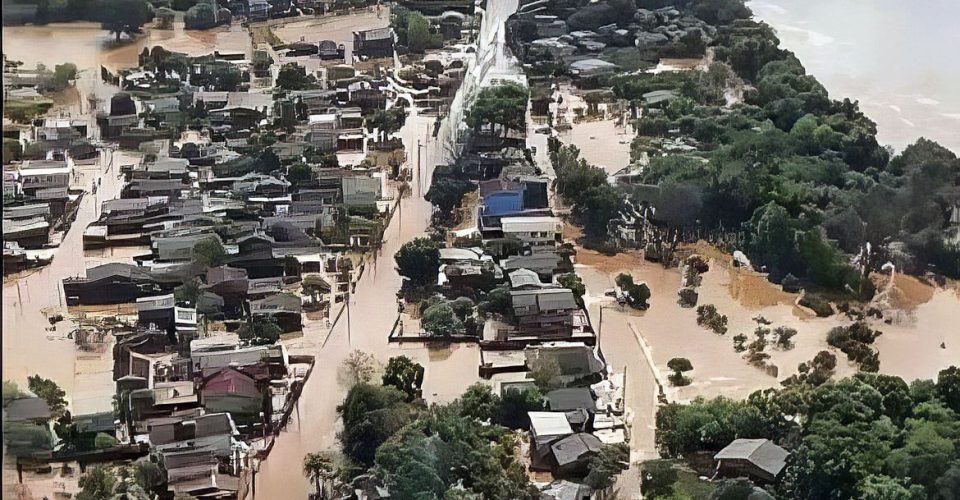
pixel 541 262
pixel 760 452
pixel 575 448
pixel 526 277
pixel 546 299
pixel 229 380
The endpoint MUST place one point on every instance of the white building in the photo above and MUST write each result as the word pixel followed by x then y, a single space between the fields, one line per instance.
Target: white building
pixel 538 232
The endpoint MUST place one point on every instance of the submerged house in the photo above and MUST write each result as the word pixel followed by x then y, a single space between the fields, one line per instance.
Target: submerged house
pixel 538 232
pixel 237 391
pixel 285 308
pixel 113 283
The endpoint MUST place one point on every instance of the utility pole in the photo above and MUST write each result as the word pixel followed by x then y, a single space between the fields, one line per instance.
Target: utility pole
pixel 420 180
pixel 348 315
pixel 600 326
pixel 419 177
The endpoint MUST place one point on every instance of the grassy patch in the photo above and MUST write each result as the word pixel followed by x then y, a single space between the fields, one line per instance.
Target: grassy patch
pixel 684 483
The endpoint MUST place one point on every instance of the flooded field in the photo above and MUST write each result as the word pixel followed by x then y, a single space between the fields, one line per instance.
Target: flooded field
pixel 602 140
pixel 337 28
pixel 909 348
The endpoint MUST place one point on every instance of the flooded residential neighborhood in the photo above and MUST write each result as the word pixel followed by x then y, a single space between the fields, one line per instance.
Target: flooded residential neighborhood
pixel 449 249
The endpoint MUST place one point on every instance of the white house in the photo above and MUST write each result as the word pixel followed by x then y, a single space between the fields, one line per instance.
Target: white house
pixel 538 232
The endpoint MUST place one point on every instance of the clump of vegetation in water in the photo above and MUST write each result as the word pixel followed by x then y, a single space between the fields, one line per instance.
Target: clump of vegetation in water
pixel 708 317
pixel 854 341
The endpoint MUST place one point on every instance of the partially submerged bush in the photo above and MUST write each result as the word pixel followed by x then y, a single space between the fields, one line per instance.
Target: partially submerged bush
pixel 708 317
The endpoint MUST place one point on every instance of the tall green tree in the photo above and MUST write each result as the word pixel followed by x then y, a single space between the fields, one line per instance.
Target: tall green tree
pixel 320 469
pixel 126 16
pixel 611 460
pixel 371 415
pixel 50 392
pixel 405 375
pixel 502 105
pixel 419 260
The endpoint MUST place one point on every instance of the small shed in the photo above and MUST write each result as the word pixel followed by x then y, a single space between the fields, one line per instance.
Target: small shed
pixel 758 459
pixel 546 428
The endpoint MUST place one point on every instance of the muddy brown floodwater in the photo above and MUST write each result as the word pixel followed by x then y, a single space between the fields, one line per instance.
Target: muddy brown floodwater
pixel 337 28
pixel 28 348
pixel 89 47
pixel 910 347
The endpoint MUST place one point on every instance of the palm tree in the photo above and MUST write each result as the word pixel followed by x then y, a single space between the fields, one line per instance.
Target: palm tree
pixel 320 469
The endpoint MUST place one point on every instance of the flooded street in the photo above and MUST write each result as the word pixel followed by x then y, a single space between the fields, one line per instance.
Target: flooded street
pixel 448 371
pixel 373 311
pixel 27 347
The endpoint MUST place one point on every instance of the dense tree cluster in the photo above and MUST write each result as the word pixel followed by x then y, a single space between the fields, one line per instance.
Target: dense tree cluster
pixel 583 186
pixel 442 454
pixel 503 106
pixel 205 15
pixel 464 449
pixel 413 30
pixel 294 77
pixel 803 175
pixel 869 436
pixel 855 341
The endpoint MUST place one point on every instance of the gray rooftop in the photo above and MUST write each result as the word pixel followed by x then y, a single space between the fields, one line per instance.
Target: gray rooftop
pixel 760 452
pixel 575 448
pixel 570 398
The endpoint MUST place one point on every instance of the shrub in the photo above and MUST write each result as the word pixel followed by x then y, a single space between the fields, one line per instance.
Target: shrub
pixel 854 341
pixel 708 317
pixel 679 365
pixel 103 440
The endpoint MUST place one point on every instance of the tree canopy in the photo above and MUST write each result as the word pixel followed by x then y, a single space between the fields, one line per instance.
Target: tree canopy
pixel 419 260
pixel 405 375
pixel 502 105
pixel 894 439
pixel 126 16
